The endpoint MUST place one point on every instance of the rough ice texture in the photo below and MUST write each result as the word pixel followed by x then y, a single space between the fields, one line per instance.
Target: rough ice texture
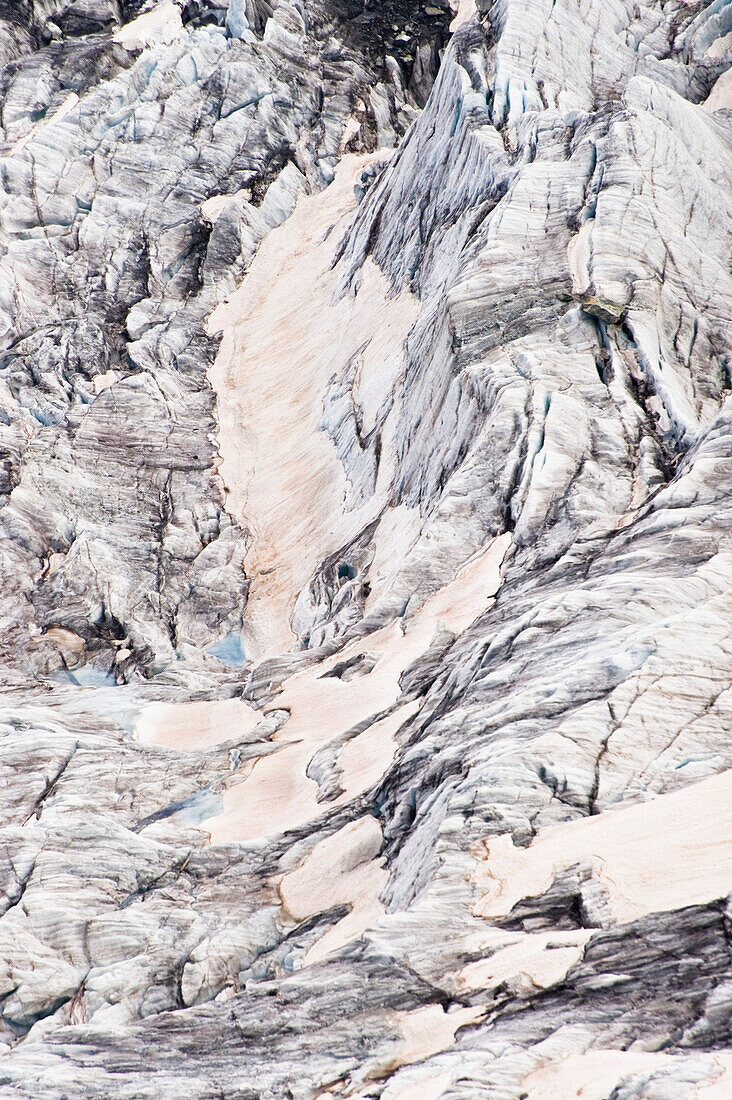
pixel 365 549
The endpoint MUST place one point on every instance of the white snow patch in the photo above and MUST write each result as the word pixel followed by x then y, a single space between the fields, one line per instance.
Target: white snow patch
pixel 162 26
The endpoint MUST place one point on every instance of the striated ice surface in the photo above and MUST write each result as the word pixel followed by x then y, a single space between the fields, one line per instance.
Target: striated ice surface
pixel 365 549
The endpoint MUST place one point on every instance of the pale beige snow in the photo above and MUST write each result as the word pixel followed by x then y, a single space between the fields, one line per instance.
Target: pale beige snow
pixel 720 98
pixel 103 382
pixel 278 794
pixel 669 852
pixel 281 471
pixel 595 1074
pixel 464 12
pixel 719 1085
pixel 424 1032
pixel 211 208
pixel 341 870
pixel 350 130
pixel 536 961
pixel 579 254
pixel 195 725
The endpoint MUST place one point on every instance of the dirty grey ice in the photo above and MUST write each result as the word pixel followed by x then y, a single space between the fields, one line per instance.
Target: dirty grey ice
pixel 365 549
